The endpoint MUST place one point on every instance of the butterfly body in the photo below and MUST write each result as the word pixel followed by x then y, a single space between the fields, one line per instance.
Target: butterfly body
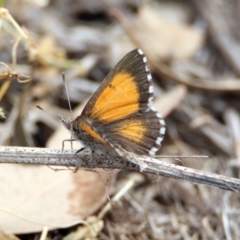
pixel 119 115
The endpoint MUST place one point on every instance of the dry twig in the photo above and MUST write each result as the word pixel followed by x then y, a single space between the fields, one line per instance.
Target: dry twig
pixel 86 160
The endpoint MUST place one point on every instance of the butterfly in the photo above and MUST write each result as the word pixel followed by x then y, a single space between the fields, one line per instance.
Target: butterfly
pixel 119 117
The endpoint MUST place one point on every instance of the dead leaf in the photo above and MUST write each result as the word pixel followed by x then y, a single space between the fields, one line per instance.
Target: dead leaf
pixel 4 236
pixel 35 196
pixel 166 39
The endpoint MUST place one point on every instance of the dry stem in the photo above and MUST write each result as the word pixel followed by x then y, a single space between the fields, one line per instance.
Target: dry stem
pixel 87 160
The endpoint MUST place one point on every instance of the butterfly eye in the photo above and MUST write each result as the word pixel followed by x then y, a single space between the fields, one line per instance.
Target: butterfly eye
pixel 67 123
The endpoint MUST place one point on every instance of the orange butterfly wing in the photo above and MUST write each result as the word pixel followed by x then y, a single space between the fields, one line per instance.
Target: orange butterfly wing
pixel 120 110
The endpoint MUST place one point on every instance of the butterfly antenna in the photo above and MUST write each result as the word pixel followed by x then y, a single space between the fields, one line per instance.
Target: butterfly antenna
pixel 66 89
pixel 69 104
pixel 53 113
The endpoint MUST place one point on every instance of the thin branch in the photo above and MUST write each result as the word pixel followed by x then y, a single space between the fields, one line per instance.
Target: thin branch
pixel 87 160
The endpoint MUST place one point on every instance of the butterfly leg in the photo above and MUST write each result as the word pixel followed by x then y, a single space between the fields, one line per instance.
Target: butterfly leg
pixel 79 150
pixel 67 140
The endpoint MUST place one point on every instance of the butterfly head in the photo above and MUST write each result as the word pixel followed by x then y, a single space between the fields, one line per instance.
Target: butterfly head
pixel 74 126
pixel 68 123
pixel 71 125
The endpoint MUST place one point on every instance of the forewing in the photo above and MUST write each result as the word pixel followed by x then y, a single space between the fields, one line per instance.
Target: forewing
pixel 127 89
